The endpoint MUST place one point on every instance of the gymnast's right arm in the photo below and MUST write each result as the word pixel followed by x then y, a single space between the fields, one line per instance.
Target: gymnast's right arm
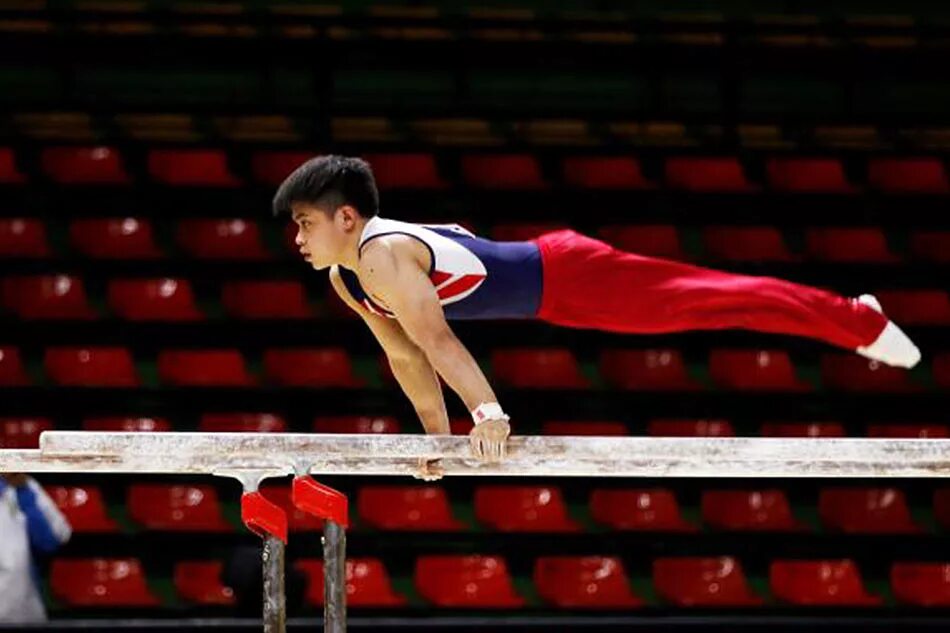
pixel 410 365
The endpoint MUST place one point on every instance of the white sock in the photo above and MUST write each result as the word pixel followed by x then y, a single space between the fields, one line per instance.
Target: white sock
pixel 892 346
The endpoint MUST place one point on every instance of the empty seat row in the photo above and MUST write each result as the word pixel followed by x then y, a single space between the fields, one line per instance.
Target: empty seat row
pixel 242 239
pixel 151 299
pixel 175 299
pixel 594 582
pixel 115 367
pixel 197 508
pixel 551 368
pixel 211 168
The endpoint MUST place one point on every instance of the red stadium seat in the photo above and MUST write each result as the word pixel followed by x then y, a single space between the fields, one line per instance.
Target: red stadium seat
pixel 83 507
pixel 226 238
pixel 405 171
pixel 850 372
pixel 190 168
pixel 328 367
pixel 712 175
pixel 242 423
pixel 746 244
pixel 356 424
pixel 22 432
pixel 265 300
pixel 865 245
pixel 690 428
pixel 205 368
pixel 84 165
pixel 592 582
pixel 933 246
pixel 23 237
pixel 826 583
pixel 754 370
pixel 90 366
pixel 523 231
pixel 908 175
pixel 176 508
pixel 114 238
pixel 654 240
pixel 593 427
pixel 9 172
pixel 523 509
pixel 12 371
pixel 921 584
pixel 908 430
pixel 803 429
pixel 153 300
pixel 504 171
pixel 466 581
pixel 604 172
pixel 199 582
pixel 866 511
pixel 748 510
pixel 367 583
pixel 646 370
pixel 808 175
pixel 272 168
pixel 649 510
pixel 297 519
pixel 547 368
pixel 127 424
pixel 100 582
pixel 47 297
pixel 702 582
pixel 916 307
pixel 421 508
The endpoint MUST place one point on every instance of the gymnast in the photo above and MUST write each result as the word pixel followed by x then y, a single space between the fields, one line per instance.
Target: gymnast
pixel 406 280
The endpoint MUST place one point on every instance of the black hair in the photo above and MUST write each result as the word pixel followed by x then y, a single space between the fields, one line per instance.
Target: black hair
pixel 331 181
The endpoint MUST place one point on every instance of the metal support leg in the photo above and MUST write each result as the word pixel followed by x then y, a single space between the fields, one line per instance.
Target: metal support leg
pixel 275 603
pixel 334 572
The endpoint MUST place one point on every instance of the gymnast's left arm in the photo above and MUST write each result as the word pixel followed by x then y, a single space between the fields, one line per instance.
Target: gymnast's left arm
pixel 391 273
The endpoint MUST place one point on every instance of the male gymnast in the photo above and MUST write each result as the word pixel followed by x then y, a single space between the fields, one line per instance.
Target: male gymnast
pixel 405 280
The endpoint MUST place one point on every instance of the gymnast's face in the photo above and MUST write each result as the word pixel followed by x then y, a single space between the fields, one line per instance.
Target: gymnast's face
pixel 323 237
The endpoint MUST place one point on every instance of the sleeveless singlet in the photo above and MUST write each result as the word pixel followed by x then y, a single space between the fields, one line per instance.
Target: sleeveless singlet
pixel 475 278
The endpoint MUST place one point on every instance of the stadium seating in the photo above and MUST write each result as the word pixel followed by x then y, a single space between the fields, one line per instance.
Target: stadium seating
pixel 176 508
pixel 908 175
pixel 23 237
pixel 356 424
pixel 12 371
pixel 866 510
pixel 199 582
pixel 593 172
pixel 849 245
pixel 100 582
pixel 22 432
pixel 90 366
pixel 921 584
pixel 204 368
pixel 592 582
pixel 690 428
pixel 746 244
pixel 702 582
pixel 814 582
pixel 752 510
pixel 850 372
pixel 406 508
pixel 803 429
pixel 84 165
pixel 502 172
pixel 190 168
pixel 653 510
pixel 646 370
pixel 600 428
pixel 466 581
pixel 328 367
pixel 523 509
pixel 710 175
pixel 265 300
pixel 47 297
pixel 754 370
pixel 84 508
pixel 808 175
pixel 367 583
pixel 538 368
pixel 242 423
pixel 226 238
pixel 654 240
pixel 114 238
pixel 153 300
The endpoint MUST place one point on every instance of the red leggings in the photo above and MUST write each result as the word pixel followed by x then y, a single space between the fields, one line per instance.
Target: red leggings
pixel 590 284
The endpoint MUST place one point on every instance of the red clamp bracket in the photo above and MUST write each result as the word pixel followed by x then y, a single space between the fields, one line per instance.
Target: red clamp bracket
pixel 263 517
pixel 321 501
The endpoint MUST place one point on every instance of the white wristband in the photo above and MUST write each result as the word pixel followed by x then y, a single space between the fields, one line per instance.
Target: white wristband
pixel 488 411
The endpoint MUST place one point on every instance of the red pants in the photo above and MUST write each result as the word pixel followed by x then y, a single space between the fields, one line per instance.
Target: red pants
pixel 589 284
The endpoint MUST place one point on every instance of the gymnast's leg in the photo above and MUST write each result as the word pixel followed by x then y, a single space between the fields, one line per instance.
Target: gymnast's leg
pixel 589 284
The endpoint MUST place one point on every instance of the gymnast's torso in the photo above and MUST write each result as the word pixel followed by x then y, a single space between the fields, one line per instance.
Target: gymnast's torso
pixel 475 278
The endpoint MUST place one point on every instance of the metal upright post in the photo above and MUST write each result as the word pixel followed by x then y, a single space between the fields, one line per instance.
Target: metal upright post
pixel 275 602
pixel 334 576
